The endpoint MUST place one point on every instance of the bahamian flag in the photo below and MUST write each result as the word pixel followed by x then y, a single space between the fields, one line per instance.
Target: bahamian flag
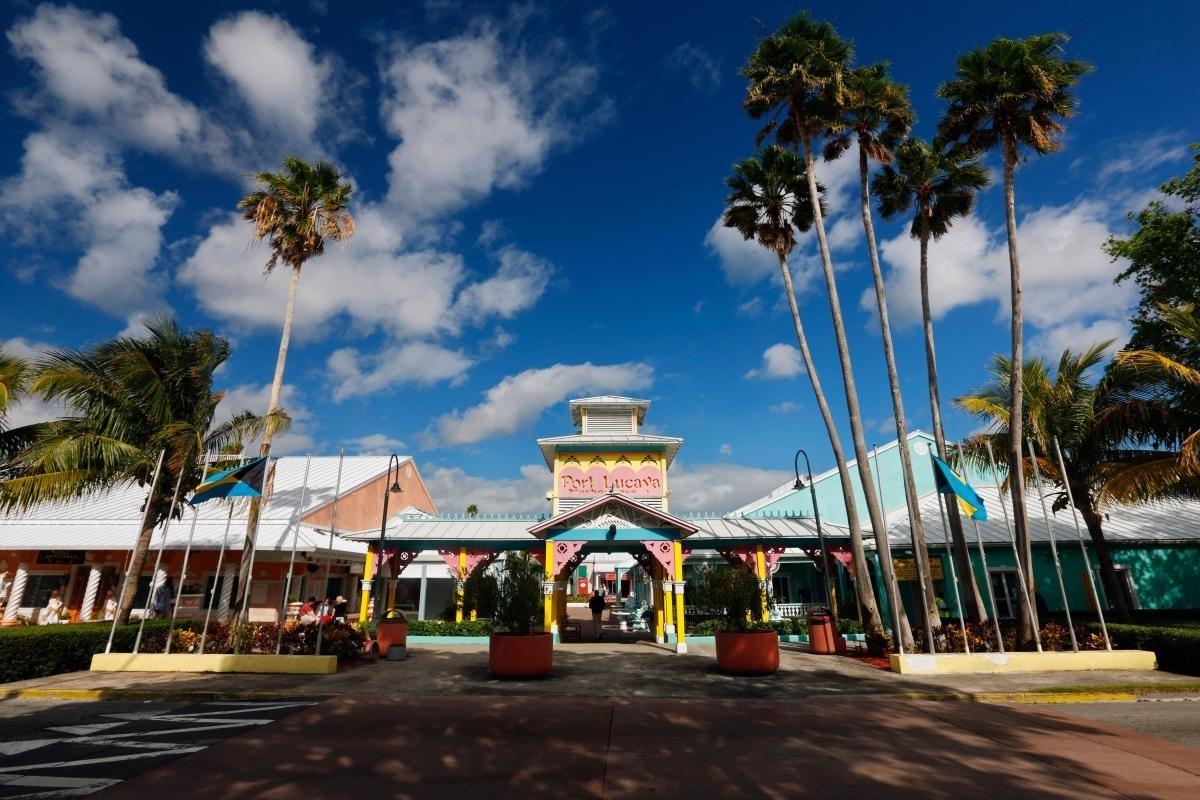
pixel 243 481
pixel 950 482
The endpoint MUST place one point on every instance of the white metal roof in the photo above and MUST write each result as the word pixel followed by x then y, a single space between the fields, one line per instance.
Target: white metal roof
pixel 111 520
pixel 761 530
pixel 1156 522
pixel 610 401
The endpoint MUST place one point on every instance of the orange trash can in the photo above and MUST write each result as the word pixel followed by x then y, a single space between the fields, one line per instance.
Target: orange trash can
pixel 821 639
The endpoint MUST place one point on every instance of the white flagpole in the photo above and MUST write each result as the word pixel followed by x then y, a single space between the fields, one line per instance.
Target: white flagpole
pixel 243 613
pixel 1087 560
pixel 287 590
pixel 137 642
pixel 212 597
pixel 145 516
pixel 892 590
pixel 187 552
pixel 337 492
pixel 962 618
pixel 1012 539
pixel 987 578
pixel 1062 587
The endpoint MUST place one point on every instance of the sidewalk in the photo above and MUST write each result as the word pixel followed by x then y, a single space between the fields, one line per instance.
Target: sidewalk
pixel 606 671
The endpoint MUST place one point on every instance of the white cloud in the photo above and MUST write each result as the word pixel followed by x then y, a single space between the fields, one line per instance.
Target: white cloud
pixel 452 490
pixel 375 444
pixel 778 361
pixel 726 449
pixel 518 400
pixel 786 407
pixel 845 233
pixel 517 286
pixel 746 262
pixel 701 69
pixel 474 113
pixel 1078 336
pixel 414 363
pixel 29 409
pixel 751 308
pixel 840 179
pixel 720 487
pixel 1067 280
pixel 1143 154
pixel 284 83
pixel 251 397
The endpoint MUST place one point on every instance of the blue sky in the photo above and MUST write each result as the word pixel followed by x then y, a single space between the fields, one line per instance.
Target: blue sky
pixel 536 193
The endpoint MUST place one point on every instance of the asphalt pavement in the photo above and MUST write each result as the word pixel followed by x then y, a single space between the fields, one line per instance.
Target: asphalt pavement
pixel 1176 719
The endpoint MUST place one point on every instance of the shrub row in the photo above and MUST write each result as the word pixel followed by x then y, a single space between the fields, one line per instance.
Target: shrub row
pixel 438 627
pixel 1177 648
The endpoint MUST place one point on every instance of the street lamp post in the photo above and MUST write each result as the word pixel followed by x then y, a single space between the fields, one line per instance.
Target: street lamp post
pixel 392 486
pixel 812 488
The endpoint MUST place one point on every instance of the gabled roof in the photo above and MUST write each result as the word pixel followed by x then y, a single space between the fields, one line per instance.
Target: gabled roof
pixel 619 499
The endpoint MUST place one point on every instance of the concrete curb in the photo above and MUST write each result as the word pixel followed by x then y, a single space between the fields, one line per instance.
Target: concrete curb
pixel 189 695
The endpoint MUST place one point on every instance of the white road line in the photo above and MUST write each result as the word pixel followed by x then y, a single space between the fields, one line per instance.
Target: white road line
pixel 104 760
pixel 16 748
pixel 82 730
pixel 231 711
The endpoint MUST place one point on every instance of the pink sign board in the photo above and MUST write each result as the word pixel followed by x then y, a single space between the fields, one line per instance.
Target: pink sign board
pixel 575 482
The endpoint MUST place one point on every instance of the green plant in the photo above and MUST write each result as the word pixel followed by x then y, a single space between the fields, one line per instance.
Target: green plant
pixel 437 627
pixel 844 625
pixel 1177 648
pixel 39 650
pixel 519 594
pixel 479 592
pixel 736 594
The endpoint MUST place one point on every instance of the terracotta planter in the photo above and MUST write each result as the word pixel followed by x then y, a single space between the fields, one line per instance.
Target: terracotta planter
pixel 514 656
pixel 748 652
pixel 390 632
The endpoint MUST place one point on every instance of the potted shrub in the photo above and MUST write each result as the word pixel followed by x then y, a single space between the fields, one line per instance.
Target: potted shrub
pixel 515 649
pixel 745 645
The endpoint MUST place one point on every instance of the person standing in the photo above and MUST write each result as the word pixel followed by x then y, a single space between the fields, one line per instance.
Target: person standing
pixel 597 606
pixel 110 606
pixel 164 595
pixel 52 613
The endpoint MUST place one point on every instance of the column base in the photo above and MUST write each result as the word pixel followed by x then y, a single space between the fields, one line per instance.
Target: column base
pixel 681 648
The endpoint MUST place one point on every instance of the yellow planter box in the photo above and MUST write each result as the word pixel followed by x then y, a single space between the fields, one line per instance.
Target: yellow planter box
pixel 959 663
pixel 213 662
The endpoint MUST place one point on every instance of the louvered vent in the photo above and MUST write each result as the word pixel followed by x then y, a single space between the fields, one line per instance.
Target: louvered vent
pixel 569 505
pixel 617 421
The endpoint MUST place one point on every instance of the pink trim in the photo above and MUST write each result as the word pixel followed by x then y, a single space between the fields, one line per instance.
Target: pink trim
pixel 451 559
pixel 475 558
pixel 771 556
pixel 400 559
pixel 563 553
pixel 554 522
pixel 740 556
pixel 665 553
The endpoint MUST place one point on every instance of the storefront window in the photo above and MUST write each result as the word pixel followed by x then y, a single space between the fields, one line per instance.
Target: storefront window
pixel 37 590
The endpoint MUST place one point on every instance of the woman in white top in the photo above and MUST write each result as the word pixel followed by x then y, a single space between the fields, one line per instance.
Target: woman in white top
pixel 110 606
pixel 52 613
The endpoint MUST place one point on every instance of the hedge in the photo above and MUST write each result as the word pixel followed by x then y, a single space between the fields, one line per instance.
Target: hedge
pixel 1177 647
pixel 36 651
pixel 438 627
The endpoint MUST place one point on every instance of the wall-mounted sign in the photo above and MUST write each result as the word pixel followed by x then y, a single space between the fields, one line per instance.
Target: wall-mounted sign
pixel 61 556
pixel 906 568
pixel 598 478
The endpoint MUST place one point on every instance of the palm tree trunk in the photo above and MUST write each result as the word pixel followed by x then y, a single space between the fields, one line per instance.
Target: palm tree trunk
pixel 975 609
pixel 863 585
pixel 137 560
pixel 272 405
pixel 878 524
pixel 1108 572
pixel 1016 411
pixel 920 550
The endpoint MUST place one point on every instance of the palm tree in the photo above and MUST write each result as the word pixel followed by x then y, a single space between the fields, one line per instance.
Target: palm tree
pixel 1013 93
pixel 297 210
pixel 128 400
pixel 14 377
pixel 877 116
pixel 940 185
pixel 768 203
pixel 472 510
pixel 797 77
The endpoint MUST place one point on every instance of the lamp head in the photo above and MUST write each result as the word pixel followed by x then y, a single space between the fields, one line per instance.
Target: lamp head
pixel 395 488
pixel 799 484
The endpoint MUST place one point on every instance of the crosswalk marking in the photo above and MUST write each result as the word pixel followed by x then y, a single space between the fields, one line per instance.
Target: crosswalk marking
pixel 16 748
pixel 83 730
pixel 103 760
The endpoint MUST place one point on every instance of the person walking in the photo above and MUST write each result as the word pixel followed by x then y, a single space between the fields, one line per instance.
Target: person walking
pixel 164 596
pixel 597 605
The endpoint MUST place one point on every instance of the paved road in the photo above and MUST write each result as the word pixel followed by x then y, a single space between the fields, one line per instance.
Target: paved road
pixel 1174 719
pixel 70 749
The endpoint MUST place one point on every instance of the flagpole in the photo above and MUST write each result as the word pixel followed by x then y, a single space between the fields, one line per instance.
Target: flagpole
pixel 337 491
pixel 892 590
pixel 1037 635
pixel 216 577
pixel 187 552
pixel 1087 560
pixel 1062 587
pixel 137 642
pixel 987 577
pixel 962 618
pixel 243 612
pixel 287 590
pixel 145 516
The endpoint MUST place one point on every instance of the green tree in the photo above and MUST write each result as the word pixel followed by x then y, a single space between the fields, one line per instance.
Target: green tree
pixel 768 203
pixel 1013 94
pixel 877 116
pixel 796 81
pixel 297 210
pixel 939 186
pixel 472 510
pixel 14 378
pixel 127 400
pixel 1164 261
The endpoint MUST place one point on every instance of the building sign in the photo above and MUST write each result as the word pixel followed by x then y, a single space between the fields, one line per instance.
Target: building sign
pixel 61 556
pixel 906 568
pixel 598 478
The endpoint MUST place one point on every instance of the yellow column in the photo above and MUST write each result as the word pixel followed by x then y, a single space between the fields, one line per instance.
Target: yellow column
pixel 668 603
pixel 656 584
pixel 462 572
pixel 680 609
pixel 760 569
pixel 548 597
pixel 368 572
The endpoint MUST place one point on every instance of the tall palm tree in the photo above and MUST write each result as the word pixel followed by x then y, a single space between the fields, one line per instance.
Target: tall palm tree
pixel 940 185
pixel 877 116
pixel 797 79
pixel 128 400
pixel 768 203
pixel 297 210
pixel 14 376
pixel 1013 94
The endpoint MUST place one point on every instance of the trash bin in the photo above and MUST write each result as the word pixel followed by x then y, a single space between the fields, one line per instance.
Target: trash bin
pixel 821 639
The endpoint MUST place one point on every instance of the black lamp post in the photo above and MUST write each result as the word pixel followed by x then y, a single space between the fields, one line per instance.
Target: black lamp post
pixel 391 487
pixel 812 489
